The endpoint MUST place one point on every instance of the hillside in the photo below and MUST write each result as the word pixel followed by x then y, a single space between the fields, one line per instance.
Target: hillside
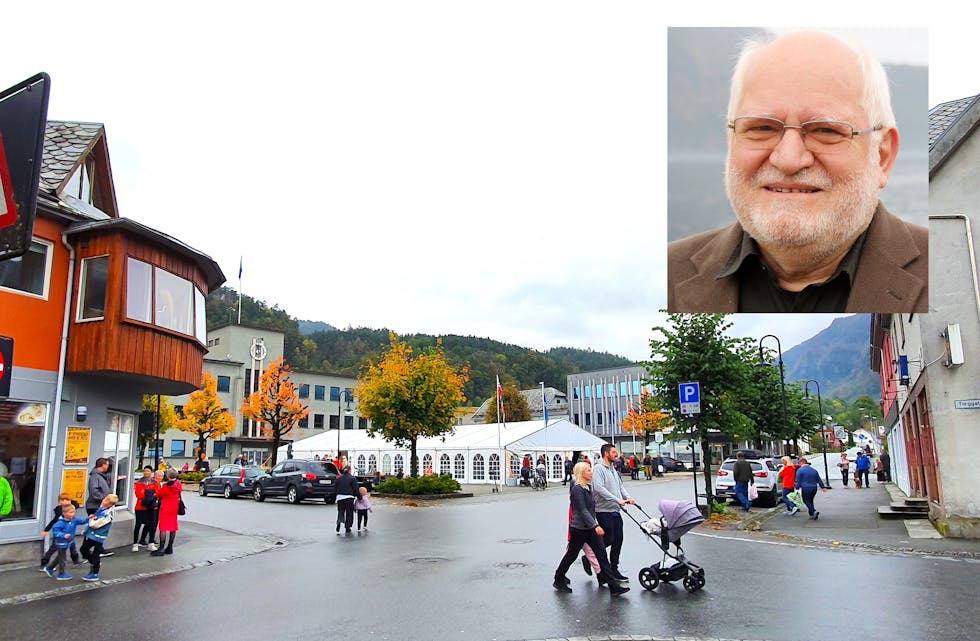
pixel 315 346
pixel 838 359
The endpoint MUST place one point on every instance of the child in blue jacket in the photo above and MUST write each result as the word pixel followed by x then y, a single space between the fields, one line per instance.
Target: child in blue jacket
pixel 96 534
pixel 63 535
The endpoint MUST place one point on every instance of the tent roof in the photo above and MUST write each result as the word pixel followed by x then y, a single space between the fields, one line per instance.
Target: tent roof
pixel 526 436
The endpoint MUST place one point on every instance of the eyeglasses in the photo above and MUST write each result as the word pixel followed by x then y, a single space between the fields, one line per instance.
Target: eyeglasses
pixel 761 132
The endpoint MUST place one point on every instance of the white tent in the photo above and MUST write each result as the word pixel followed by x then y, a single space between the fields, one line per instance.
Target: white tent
pixel 470 453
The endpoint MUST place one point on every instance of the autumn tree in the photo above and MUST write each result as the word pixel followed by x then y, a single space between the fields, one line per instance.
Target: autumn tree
pixel 408 397
pixel 168 417
pixel 205 416
pixel 515 406
pixel 644 419
pixel 275 405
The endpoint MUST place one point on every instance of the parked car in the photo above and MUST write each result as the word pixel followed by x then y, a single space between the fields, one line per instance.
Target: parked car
pixel 298 479
pixel 673 465
pixel 230 480
pixel 766 473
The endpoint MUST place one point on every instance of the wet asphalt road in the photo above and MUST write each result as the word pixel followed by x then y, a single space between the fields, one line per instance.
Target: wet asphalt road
pixel 482 568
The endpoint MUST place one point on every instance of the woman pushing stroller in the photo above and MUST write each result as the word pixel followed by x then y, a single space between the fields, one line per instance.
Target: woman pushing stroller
pixel 585 529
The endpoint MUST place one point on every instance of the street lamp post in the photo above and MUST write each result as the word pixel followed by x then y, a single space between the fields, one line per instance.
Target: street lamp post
pixel 782 379
pixel 823 433
pixel 344 395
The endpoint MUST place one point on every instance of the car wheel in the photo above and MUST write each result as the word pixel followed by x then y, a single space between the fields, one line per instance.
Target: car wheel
pixel 258 494
pixel 292 495
pixel 201 490
pixel 227 493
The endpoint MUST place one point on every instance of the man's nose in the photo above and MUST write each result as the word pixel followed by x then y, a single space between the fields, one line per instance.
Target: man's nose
pixel 790 155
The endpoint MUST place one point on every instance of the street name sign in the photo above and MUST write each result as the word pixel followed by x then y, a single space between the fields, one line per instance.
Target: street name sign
pixel 969 404
pixel 690 397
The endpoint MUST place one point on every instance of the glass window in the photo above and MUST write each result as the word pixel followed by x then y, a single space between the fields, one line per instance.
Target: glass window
pixel 598 418
pixel 622 388
pixel 426 463
pixel 334 393
pixel 220 449
pixel 477 467
pixel 386 464
pixel 174 302
pixel 319 392
pixel 372 463
pixel 304 422
pixel 28 273
pixel 588 391
pixel 574 392
pixel 92 290
pixel 361 464
pixel 361 423
pixel 155 450
pixel 598 391
pixel 21 428
pixel 118 446
pixel 515 466
pixel 334 421
pixel 178 447
pixel 459 467
pixel 636 388
pixel 494 467
pixel 588 419
pixel 557 466
pixel 348 422
pixel 399 464
pixel 304 390
pixel 611 390
pixel 200 317
pixel 444 464
pixel 318 421
pixel 575 420
pixel 224 384
pixel 139 290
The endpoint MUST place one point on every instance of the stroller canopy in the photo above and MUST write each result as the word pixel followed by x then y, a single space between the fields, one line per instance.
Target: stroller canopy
pixel 680 515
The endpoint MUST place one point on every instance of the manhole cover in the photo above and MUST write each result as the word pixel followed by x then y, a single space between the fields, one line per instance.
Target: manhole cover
pixel 514 565
pixel 427 559
pixel 518 541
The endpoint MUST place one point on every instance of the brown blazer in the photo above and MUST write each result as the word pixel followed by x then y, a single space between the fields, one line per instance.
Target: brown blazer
pixel 892 274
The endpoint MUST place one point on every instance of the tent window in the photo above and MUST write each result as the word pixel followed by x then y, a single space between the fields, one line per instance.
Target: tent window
pixel 478 467
pixel 515 466
pixel 444 464
pixel 386 464
pixel 459 467
pixel 360 464
pixel 557 466
pixel 399 464
pixel 372 463
pixel 427 464
pixel 494 467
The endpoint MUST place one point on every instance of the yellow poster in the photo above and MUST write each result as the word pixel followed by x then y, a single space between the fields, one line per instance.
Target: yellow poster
pixel 77 445
pixel 73 482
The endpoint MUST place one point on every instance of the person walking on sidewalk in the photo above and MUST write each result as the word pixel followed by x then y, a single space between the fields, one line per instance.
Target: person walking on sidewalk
pixel 585 529
pixel 98 485
pixel 886 465
pixel 863 465
pixel 610 497
pixel 742 473
pixel 96 534
pixel 845 465
pixel 807 482
pixel 169 496
pixel 64 500
pixel 347 492
pixel 145 489
pixel 568 471
pixel 63 533
pixel 787 474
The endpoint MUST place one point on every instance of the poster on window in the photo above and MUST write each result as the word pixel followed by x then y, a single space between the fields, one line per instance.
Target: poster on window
pixel 73 482
pixel 77 445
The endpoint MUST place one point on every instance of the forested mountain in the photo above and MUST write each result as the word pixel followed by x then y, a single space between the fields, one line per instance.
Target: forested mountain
pixel 346 351
pixel 838 358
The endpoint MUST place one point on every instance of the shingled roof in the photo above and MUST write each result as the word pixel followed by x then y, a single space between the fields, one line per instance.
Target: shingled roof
pixel 949 124
pixel 65 145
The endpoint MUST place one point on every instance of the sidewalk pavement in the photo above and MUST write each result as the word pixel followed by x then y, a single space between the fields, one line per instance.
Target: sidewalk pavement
pixel 195 546
pixel 849 517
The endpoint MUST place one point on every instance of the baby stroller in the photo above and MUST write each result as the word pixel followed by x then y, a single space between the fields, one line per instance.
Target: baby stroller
pixel 678 518
pixel 525 477
pixel 540 481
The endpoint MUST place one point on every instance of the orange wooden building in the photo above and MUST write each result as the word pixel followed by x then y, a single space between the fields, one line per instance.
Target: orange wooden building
pixel 102 310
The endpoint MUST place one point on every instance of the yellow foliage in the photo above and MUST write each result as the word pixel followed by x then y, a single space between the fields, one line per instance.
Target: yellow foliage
pixel 204 414
pixel 644 421
pixel 276 405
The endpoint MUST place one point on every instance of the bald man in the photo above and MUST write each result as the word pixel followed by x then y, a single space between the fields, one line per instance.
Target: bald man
pixel 811 143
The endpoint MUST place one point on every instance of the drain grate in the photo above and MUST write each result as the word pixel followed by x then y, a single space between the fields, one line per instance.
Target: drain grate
pixel 427 559
pixel 513 565
pixel 517 541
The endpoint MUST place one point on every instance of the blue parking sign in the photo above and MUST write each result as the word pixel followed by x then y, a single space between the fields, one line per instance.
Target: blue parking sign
pixel 690 397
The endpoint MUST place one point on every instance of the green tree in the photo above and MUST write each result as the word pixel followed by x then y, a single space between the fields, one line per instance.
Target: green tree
pixel 694 347
pixel 168 418
pixel 515 406
pixel 408 397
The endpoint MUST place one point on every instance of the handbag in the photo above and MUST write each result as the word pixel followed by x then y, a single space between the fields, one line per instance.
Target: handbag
pixel 753 492
pixel 796 497
pixel 181 510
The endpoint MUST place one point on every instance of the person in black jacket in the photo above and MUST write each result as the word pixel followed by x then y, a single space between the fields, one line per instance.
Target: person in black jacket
pixel 585 529
pixel 347 492
pixel 742 473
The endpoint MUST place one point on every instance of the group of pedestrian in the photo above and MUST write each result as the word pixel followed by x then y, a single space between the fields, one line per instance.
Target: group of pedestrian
pixel 596 498
pixel 350 499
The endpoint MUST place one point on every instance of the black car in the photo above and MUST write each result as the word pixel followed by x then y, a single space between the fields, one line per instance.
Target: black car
pixel 230 480
pixel 298 479
pixel 673 465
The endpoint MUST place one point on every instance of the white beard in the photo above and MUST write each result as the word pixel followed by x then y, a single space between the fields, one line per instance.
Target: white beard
pixel 818 234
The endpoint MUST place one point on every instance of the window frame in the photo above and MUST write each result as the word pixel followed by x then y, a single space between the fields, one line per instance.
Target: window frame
pixel 48 259
pixel 82 283
pixel 197 326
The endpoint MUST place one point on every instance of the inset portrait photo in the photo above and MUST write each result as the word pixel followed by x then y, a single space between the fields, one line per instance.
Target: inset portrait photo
pixel 797 170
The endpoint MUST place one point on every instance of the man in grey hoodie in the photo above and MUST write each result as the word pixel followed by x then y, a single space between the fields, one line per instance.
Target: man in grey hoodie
pixel 610 496
pixel 98 485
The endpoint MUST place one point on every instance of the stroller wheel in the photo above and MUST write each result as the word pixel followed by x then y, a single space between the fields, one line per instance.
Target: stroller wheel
pixel 649 578
pixel 694 582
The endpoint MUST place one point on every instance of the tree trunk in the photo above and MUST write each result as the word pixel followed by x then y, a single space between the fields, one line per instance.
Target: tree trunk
pixel 275 447
pixel 413 461
pixel 706 467
pixel 201 444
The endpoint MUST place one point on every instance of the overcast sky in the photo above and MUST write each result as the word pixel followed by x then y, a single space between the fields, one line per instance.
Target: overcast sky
pixel 485 168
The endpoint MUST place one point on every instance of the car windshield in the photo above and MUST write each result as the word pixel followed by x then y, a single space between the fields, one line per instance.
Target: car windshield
pixel 252 472
pixel 730 465
pixel 325 466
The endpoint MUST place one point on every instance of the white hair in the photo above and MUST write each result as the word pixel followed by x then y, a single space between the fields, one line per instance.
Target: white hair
pixel 877 96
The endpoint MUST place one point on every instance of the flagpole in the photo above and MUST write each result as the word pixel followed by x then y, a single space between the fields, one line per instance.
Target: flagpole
pixel 499 440
pixel 544 411
pixel 239 290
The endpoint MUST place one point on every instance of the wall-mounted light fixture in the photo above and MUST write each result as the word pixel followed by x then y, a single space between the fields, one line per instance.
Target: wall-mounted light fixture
pixel 81 413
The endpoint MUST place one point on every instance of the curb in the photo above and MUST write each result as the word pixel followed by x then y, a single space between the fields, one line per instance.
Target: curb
pixel 425 497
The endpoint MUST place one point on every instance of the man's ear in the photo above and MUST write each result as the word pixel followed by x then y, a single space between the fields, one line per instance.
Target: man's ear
pixel 887 151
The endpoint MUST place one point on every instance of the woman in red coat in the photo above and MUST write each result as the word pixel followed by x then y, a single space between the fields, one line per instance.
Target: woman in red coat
pixel 169 496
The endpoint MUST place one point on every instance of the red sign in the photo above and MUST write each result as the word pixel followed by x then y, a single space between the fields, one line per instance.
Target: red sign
pixel 8 207
pixel 6 364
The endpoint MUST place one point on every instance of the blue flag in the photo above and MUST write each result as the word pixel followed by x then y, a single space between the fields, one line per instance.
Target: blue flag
pixel 239 268
pixel 545 409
